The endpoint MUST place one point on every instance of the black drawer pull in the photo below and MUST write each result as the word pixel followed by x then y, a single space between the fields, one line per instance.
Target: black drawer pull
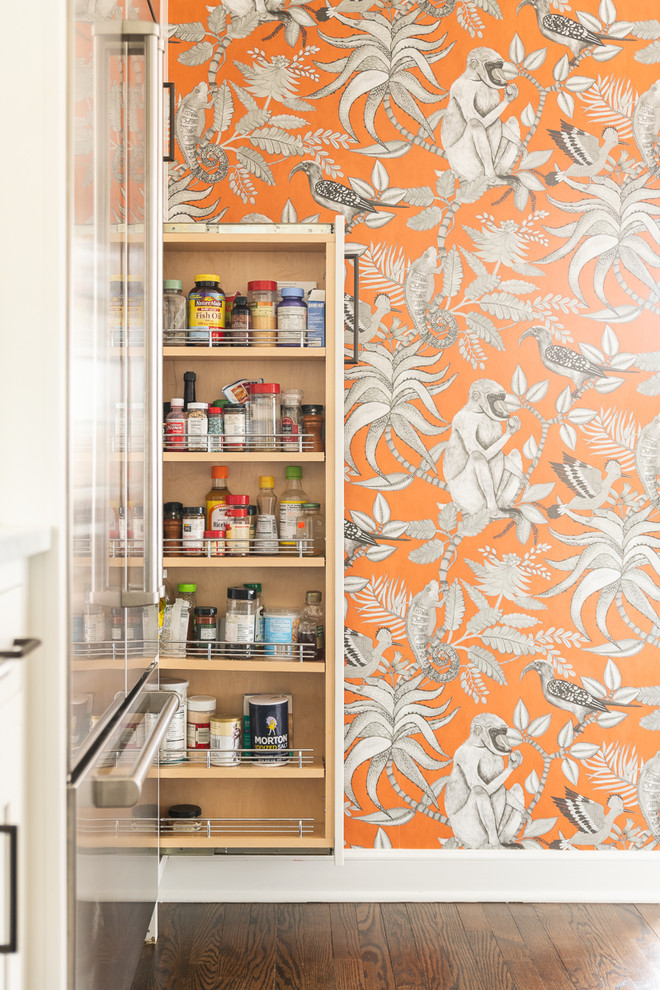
pixel 21 648
pixel 11 831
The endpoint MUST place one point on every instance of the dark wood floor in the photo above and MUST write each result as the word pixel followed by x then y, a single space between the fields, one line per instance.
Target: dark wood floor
pixel 404 947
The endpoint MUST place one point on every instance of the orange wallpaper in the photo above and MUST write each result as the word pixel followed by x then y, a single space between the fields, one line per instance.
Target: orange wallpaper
pixel 499 168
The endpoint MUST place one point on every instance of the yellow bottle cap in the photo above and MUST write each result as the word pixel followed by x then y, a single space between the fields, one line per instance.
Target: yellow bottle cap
pixel 266 481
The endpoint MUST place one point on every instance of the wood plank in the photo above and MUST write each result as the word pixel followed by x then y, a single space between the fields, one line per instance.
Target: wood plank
pixel 188 946
pixel 232 955
pixel 585 948
pixel 374 951
pixel 632 940
pixel 347 966
pixel 261 947
pixel 519 961
pixel 408 974
pixel 316 946
pixel 473 917
pixel 288 952
pixel 540 947
pixel 472 956
pixel 426 924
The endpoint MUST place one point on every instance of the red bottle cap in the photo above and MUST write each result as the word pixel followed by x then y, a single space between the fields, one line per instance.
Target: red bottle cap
pixel 263 388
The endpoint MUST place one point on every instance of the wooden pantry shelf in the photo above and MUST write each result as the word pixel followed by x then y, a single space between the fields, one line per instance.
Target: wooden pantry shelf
pixel 242 238
pixel 244 457
pixel 181 840
pixel 252 561
pixel 242 771
pixel 264 666
pixel 230 353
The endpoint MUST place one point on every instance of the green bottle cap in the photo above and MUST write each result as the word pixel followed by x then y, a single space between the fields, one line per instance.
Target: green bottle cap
pixel 186 588
pixel 255 587
pixel 173 283
pixel 293 471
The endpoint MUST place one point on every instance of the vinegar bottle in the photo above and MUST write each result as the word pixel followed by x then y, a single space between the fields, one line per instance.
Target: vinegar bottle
pixel 291 503
pixel 216 498
pixel 266 541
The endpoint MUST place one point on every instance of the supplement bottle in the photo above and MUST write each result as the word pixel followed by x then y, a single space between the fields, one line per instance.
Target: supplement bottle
pixel 206 308
pixel 291 503
pixel 175 427
pixel 216 498
pixel 291 318
pixel 262 300
pixel 266 539
pixel 175 311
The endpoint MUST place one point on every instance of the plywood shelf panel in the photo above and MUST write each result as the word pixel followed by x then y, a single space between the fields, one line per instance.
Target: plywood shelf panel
pixel 243 771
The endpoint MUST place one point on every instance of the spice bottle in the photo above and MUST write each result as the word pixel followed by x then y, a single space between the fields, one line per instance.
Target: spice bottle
pixel 172 527
pixel 175 427
pixel 314 529
pixel 291 503
pixel 198 426
pixel 201 709
pixel 174 312
pixel 291 418
pixel 215 428
pixel 205 620
pixel 235 424
pixel 238 532
pixel 262 300
pixel 216 498
pixel 312 427
pixel 240 322
pixel 291 318
pixel 193 530
pixel 240 618
pixel 259 617
pixel 266 541
pixel 188 591
pixel 185 817
pixel 264 422
pixel 206 309
pixel 311 631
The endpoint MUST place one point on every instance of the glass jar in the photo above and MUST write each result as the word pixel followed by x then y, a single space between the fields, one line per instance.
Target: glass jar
pixel 198 425
pixel 225 740
pixel 175 312
pixel 311 631
pixel 264 420
pixel 240 322
pixel 206 310
pixel 188 591
pixel 238 532
pixel 234 423
pixel 262 300
pixel 185 817
pixel 175 426
pixel 201 708
pixel 259 620
pixel 313 530
pixel 291 418
pixel 312 427
pixel 240 620
pixel 172 527
pixel 205 623
pixel 193 530
pixel 215 428
pixel 280 631
pixel 291 318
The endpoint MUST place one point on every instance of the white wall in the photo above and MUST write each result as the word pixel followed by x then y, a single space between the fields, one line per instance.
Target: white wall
pixel 32 476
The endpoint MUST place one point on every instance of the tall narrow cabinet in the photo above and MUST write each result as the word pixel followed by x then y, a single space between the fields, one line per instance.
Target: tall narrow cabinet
pixel 255 806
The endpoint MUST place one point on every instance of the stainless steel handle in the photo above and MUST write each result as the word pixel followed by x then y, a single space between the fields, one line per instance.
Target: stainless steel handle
pixel 124 791
pixel 11 945
pixel 169 157
pixel 355 258
pixel 20 648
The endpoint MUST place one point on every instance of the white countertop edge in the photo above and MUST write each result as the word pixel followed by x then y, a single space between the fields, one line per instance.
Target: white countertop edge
pixel 17 544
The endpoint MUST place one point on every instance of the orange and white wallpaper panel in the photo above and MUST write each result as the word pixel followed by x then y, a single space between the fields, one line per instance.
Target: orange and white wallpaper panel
pixel 498 166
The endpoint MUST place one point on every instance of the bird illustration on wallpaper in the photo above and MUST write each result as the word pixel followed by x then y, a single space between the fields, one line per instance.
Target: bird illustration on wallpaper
pixel 499 176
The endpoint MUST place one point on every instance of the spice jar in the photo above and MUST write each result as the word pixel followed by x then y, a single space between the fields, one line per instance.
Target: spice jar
pixel 312 427
pixel 225 740
pixel 291 418
pixel 264 422
pixel 201 707
pixel 198 423
pixel 215 428
pixel 205 623
pixel 206 310
pixel 238 532
pixel 185 817
pixel 314 529
pixel 240 322
pixel 215 541
pixel 234 423
pixel 172 527
pixel 175 311
pixel 240 619
pixel 291 318
pixel 262 300
pixel 193 530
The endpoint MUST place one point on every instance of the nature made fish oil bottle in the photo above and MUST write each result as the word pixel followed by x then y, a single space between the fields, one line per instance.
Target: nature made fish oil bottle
pixel 291 503
pixel 216 498
pixel 206 308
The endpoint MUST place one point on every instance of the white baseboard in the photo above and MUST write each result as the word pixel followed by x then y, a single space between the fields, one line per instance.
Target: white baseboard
pixel 371 875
